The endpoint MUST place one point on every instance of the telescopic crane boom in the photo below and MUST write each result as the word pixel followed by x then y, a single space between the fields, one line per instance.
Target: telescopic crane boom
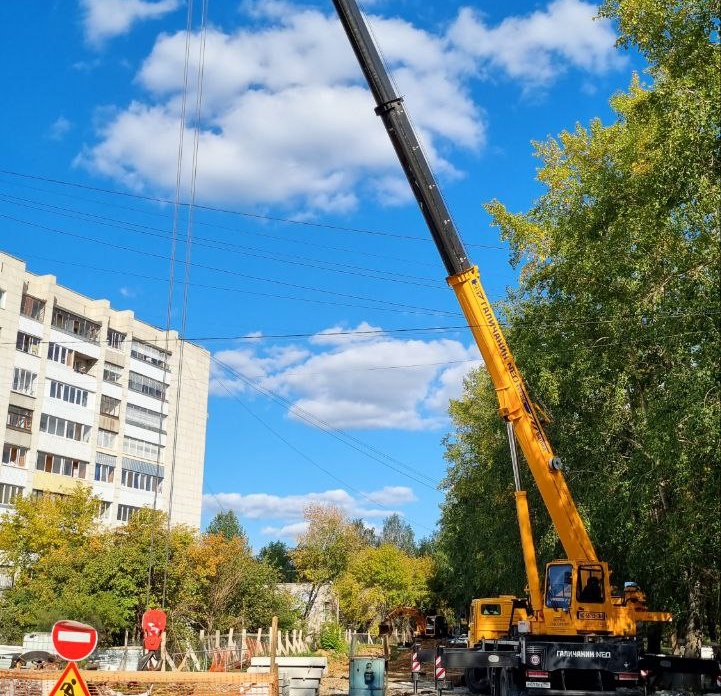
pixel 515 405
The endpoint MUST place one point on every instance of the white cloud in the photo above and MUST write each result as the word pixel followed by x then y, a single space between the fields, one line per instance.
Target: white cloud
pixel 289 509
pixel 393 495
pixel 287 531
pixel 298 72
pixel 59 129
pixel 287 118
pixel 105 19
pixel 538 47
pixel 353 381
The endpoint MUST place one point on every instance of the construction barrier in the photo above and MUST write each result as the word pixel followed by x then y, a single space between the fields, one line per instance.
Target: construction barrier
pixel 440 669
pixel 24 682
pixel 415 662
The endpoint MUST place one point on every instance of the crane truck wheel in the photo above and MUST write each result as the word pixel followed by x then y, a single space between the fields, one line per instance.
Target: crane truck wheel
pixel 507 683
pixel 477 681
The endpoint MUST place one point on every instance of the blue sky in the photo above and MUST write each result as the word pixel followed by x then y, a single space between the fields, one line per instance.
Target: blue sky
pixel 310 275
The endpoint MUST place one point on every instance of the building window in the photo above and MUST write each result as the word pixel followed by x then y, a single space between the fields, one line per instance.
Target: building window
pixel 109 406
pixel 115 339
pixel 64 428
pixel 3 295
pixel 106 439
pixel 19 418
pixel 32 307
pixel 105 467
pixel 141 448
pixel 142 482
pixel 69 393
pixel 125 512
pixel 112 373
pixel 27 343
pixel 144 418
pixel 8 493
pixel 24 381
pixel 146 385
pixel 13 455
pixel 149 354
pixel 74 324
pixel 83 364
pixel 104 510
pixel 60 354
pixel 65 466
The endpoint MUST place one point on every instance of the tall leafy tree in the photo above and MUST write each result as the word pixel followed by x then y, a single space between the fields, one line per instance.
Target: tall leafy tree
pixel 398 533
pixel 379 579
pixel 366 534
pixel 616 324
pixel 277 555
pixel 226 523
pixel 325 549
pixel 478 545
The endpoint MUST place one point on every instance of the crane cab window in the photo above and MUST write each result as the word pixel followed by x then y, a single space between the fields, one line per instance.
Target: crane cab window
pixel 559 586
pixel 490 610
pixel 590 584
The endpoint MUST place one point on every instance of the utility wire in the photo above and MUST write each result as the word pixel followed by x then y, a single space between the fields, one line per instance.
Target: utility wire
pixel 394 278
pixel 341 435
pixel 215 269
pixel 312 461
pixel 304 241
pixel 288 221
pixel 252 252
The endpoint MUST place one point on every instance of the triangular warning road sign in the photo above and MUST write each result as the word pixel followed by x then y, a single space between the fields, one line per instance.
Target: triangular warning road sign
pixel 70 683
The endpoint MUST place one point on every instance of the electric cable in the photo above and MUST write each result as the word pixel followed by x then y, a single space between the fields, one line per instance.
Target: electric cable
pixel 287 221
pixel 338 434
pixel 314 463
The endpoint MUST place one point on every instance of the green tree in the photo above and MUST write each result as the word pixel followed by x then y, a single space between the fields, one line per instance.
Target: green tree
pixel 277 555
pixel 366 534
pixel 398 533
pixel 227 524
pixel 46 523
pixel 379 579
pixel 616 323
pixel 324 550
pixel 478 550
pixel 232 589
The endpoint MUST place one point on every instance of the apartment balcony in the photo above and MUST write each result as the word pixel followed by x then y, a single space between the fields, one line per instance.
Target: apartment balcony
pixel 55 483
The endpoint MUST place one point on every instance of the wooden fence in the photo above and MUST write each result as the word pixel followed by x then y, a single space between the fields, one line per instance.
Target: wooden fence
pixel 231 651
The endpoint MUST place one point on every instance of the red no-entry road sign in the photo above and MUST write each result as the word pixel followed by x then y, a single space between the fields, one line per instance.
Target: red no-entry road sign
pixel 73 640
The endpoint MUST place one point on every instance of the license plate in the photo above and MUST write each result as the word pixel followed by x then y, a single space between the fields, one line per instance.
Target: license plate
pixel 538 685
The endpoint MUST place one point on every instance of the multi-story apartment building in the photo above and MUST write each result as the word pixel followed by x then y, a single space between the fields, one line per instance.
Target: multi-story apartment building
pixel 91 394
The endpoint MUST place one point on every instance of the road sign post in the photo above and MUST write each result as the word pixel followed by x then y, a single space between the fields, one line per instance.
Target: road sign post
pixel 73 640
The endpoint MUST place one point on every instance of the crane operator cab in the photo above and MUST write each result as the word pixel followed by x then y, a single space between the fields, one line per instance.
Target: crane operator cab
pixel 576 597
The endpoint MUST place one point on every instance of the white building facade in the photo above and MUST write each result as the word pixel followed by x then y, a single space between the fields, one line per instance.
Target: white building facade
pixel 92 395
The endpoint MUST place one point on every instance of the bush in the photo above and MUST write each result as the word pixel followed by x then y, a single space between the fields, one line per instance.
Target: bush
pixel 331 637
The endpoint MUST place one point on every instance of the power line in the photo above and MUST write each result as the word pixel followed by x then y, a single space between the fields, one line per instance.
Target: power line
pixel 341 435
pixel 314 463
pixel 304 241
pixel 429 329
pixel 257 216
pixel 215 269
pixel 218 245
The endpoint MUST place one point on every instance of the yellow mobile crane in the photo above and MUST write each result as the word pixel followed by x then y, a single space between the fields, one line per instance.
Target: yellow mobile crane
pixel 575 635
